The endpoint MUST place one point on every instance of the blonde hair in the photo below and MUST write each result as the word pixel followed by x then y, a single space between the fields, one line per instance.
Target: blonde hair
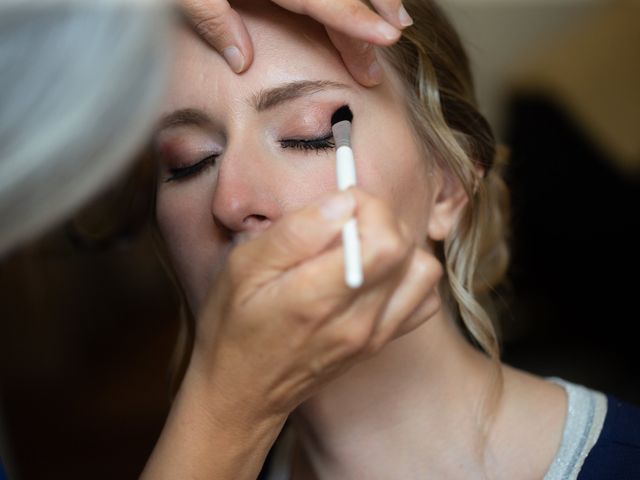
pixel 431 62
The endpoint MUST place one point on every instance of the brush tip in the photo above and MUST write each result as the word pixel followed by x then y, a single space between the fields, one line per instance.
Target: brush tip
pixel 342 114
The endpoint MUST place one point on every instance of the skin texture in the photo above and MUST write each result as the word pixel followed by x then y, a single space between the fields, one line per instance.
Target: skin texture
pixel 257 181
pixel 376 390
pixel 352 27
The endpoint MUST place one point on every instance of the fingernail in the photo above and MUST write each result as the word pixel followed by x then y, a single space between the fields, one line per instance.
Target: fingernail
pixel 387 31
pixel 375 72
pixel 404 17
pixel 337 206
pixel 234 58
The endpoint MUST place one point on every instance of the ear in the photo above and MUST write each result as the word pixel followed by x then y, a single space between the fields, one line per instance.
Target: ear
pixel 450 199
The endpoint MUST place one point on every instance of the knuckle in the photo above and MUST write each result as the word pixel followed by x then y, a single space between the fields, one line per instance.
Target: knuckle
pixel 316 305
pixel 375 344
pixel 317 366
pixel 307 306
pixel 300 343
pixel 354 10
pixel 211 28
pixel 391 249
pixel 210 21
pixel 362 49
pixel 298 319
pixel 316 313
pixel 354 338
pixel 323 310
pixel 428 267
pixel 204 11
pixel 346 9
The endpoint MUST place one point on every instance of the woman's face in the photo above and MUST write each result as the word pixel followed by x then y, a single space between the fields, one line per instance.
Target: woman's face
pixel 238 152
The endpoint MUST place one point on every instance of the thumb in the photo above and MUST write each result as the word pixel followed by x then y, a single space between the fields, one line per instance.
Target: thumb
pixel 221 26
pixel 359 57
pixel 296 237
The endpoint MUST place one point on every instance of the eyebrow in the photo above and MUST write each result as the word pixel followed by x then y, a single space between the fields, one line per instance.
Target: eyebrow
pixel 270 98
pixel 261 101
pixel 184 116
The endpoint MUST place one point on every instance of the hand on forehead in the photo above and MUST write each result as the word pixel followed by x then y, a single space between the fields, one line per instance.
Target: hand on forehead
pixel 352 27
pixel 289 49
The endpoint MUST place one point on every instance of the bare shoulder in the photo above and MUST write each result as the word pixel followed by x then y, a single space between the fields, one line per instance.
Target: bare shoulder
pixel 528 426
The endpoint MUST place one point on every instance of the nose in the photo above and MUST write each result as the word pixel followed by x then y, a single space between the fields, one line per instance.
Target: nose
pixel 246 197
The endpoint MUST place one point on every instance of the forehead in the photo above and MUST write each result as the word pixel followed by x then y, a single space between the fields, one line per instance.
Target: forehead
pixel 287 48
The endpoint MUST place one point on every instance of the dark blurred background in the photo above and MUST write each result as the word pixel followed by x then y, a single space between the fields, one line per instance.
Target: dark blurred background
pixel 86 333
pixel 560 83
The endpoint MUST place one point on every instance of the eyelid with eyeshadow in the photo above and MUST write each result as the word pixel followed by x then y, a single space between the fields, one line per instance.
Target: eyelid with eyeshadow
pixel 192 170
pixel 324 142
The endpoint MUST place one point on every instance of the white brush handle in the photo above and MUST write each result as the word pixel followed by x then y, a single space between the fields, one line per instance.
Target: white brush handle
pixel 345 168
pixel 346 172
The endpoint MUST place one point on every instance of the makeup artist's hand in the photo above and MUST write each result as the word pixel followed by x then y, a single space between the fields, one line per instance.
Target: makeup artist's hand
pixel 280 322
pixel 352 27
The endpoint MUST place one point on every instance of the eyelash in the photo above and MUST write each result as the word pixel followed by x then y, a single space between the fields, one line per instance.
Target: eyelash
pixel 318 144
pixel 323 143
pixel 191 170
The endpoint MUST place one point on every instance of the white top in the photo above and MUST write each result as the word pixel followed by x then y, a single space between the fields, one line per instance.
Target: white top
pixel 586 411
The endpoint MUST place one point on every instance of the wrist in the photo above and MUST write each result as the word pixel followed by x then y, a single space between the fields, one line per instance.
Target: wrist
pixel 208 435
pixel 224 407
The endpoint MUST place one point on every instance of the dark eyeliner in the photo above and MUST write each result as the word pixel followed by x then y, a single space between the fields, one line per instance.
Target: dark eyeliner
pixel 191 170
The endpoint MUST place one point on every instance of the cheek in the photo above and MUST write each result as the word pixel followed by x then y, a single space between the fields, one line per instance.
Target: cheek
pixel 185 226
pixel 172 215
pixel 310 187
pixel 398 173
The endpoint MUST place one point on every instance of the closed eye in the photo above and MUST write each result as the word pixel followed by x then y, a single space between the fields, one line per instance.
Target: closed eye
pixel 318 144
pixel 323 143
pixel 192 170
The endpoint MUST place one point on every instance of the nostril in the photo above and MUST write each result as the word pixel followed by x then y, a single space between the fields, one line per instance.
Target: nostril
pixel 256 222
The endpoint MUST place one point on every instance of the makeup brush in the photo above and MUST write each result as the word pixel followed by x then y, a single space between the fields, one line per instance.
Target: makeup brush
pixel 346 173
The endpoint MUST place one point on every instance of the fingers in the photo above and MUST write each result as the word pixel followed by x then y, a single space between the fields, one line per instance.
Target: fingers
pixel 221 26
pixel 297 255
pixel 357 53
pixel 294 239
pixel 400 291
pixel 393 12
pixel 359 57
pixel 319 283
pixel 384 249
pixel 414 301
pixel 385 246
pixel 352 17
pixel 316 327
pixel 352 27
